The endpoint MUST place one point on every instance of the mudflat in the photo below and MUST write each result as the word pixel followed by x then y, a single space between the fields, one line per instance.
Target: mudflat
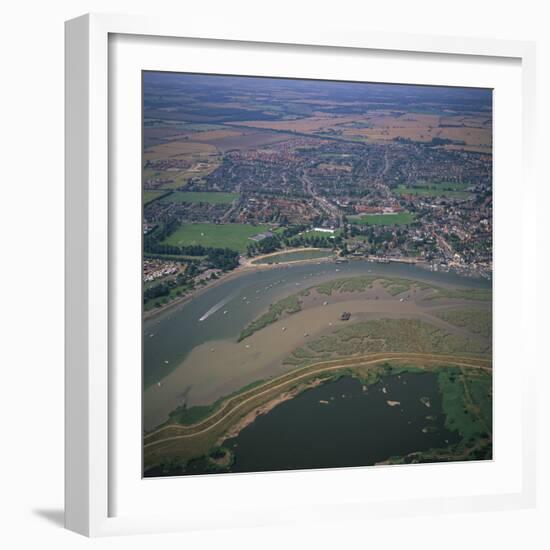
pixel 219 367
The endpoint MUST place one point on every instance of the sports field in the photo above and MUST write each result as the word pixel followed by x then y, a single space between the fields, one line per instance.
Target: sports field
pixel 230 235
pixel 213 197
pixel 402 218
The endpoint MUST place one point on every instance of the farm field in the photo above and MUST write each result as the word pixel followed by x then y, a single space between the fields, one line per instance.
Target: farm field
pixel 196 197
pixel 248 139
pixel 473 133
pixel 403 218
pixel 203 159
pixel 178 150
pixel 310 124
pixel 232 235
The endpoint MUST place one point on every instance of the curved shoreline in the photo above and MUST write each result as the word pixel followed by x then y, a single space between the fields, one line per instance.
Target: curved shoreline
pixel 247 267
pixel 243 269
pixel 305 372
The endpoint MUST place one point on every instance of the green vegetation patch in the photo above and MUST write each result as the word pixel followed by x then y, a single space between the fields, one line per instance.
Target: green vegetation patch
pixel 231 235
pixel 401 218
pixel 150 196
pixel 173 257
pixel 192 415
pixel 368 375
pixel 172 180
pixel 360 284
pixel 477 321
pixel 390 335
pixel 294 256
pixel 442 189
pixel 212 197
pixel 481 294
pixel 351 284
pixel 167 294
pixel 396 286
pixel 467 402
pixel 289 305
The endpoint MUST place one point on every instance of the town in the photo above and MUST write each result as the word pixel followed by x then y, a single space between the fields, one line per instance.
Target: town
pixel 385 183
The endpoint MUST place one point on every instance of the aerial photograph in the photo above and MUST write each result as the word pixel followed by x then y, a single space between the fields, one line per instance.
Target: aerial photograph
pixel 317 274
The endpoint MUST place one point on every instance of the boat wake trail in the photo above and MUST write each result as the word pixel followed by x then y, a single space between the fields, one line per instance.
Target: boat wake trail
pixel 217 306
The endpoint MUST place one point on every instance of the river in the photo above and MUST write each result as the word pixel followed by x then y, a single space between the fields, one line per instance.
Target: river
pixel 229 306
pixel 191 353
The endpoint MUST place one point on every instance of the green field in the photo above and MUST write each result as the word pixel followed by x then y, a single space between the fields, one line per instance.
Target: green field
pixel 231 235
pixel 177 179
pixel 440 189
pixel 150 196
pixel 402 218
pixel 213 197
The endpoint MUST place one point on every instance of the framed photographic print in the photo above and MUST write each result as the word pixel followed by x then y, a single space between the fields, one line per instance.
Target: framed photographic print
pixel 291 258
pixel 331 249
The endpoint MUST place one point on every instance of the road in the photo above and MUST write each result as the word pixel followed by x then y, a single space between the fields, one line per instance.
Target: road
pixel 328 207
pixel 444 246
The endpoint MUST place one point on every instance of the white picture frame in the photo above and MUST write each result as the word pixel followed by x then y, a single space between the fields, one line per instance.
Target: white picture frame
pixel 92 396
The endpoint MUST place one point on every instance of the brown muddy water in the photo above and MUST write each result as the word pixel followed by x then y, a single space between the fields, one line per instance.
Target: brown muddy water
pixel 191 354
